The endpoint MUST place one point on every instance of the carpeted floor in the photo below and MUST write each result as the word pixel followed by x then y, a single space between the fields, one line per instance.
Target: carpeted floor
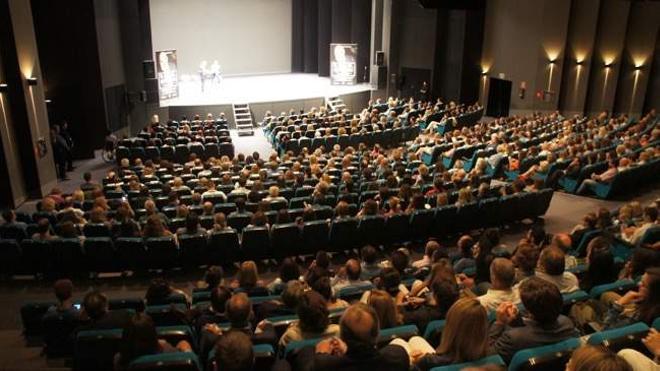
pixel 565 211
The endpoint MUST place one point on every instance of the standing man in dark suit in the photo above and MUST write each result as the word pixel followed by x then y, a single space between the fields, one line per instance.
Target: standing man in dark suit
pixel 64 131
pixel 356 349
pixel 544 325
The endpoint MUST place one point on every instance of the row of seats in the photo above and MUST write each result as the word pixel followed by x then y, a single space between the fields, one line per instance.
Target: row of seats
pixel 102 254
pixel 386 138
pixel 179 153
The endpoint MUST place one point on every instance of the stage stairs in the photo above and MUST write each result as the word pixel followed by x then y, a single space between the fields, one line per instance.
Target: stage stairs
pixel 335 103
pixel 243 119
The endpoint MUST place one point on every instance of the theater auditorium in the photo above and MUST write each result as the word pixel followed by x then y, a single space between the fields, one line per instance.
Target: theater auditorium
pixel 326 185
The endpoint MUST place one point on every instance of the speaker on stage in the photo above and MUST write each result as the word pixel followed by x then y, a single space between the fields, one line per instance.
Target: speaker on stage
pixel 499 97
pixel 148 69
pixel 380 58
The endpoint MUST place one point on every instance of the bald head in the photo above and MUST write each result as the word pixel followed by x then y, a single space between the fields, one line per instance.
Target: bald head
pixel 359 326
pixel 562 241
pixel 239 309
pixel 353 269
pixel 502 273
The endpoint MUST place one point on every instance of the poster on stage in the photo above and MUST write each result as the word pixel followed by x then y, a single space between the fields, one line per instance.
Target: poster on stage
pixel 343 66
pixel 168 78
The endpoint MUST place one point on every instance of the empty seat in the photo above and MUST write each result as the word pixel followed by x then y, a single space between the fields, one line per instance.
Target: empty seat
pixel 193 250
pixel 162 252
pixel 314 236
pixel 370 229
pixel 223 247
pixel 285 239
pixel 343 234
pixel 100 254
pixel 168 314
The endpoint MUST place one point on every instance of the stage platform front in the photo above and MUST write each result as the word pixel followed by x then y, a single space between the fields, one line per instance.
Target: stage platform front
pixel 275 93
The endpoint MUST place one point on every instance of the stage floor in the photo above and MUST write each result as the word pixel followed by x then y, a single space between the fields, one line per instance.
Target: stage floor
pixel 258 89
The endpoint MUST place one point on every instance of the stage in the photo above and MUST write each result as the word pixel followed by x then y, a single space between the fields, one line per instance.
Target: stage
pixel 275 93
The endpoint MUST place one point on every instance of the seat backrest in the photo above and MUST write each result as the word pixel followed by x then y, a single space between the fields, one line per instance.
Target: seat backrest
pixel 95 349
pixel 176 361
pixel 542 357
pixel 623 337
pixel 490 360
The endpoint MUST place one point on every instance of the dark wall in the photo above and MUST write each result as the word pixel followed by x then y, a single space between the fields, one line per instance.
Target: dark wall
pixel 66 36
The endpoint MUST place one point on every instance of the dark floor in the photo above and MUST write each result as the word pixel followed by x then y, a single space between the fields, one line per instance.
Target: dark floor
pixel 565 211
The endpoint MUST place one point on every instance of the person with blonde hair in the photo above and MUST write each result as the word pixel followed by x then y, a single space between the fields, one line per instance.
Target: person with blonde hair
pixel 596 358
pixel 464 338
pixel 247 278
pixel 274 195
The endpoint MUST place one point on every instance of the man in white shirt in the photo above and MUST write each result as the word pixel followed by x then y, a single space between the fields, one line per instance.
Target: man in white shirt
pixel 502 277
pixel 551 268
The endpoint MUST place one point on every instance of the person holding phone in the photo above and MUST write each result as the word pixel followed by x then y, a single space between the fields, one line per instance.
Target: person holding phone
pixel 61 320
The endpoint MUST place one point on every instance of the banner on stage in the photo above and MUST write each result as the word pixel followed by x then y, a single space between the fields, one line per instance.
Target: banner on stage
pixel 168 77
pixel 343 65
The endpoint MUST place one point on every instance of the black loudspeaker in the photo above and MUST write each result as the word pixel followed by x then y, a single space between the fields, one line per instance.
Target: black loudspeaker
pixel 499 97
pixel 151 89
pixel 380 58
pixel 382 77
pixel 149 69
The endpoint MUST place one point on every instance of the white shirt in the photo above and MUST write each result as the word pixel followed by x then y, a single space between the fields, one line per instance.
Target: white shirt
pixel 566 282
pixel 493 298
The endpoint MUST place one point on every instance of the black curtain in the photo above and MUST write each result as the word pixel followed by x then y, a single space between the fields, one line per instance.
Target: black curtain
pixel 297 36
pixel 324 36
pixel 318 23
pixel 310 41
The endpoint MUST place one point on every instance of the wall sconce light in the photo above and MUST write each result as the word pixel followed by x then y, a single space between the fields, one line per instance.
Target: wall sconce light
pixel 32 81
pixel 579 62
pixel 4 88
pixel 638 67
pixel 552 61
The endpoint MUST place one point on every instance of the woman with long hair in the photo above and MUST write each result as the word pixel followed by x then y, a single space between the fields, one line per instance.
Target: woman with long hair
pixel 247 279
pixel 464 338
pixel 386 309
pixel 313 321
pixel 139 338
pixel 642 305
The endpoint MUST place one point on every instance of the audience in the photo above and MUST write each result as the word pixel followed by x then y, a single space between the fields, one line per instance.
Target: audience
pixel 551 268
pixel 313 321
pixel 544 325
pixel 502 278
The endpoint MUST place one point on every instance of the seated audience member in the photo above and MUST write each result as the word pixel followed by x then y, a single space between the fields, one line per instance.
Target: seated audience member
pixel 289 271
pixel 596 358
pixel 400 261
pixel 192 227
pixel 588 224
pixel 219 223
pixel 640 260
pixel 88 185
pixel 444 292
pixel 650 220
pixel 96 315
pixel 274 195
pixel 348 275
pixel 355 349
pixel 386 308
pixel 60 320
pixel 605 177
pixel 642 305
pixel 639 361
pixel 313 321
pixel 323 286
pixel 214 313
pixel 465 261
pixel 525 260
pixel 9 217
pixel 600 264
pixel 320 267
pixel 544 325
pixel 427 259
pixel 286 305
pixel 43 231
pixel 369 266
pixel 247 280
pixel 464 338
pixel 140 338
pixel 239 313
pixel 563 241
pixel 502 277
pixel 233 352
pixel 160 292
pixel 127 226
pixel 551 268
pixel 212 278
pixel 155 228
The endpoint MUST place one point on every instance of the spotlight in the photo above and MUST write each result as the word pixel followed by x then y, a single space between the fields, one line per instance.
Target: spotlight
pixel 4 88
pixel 32 81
